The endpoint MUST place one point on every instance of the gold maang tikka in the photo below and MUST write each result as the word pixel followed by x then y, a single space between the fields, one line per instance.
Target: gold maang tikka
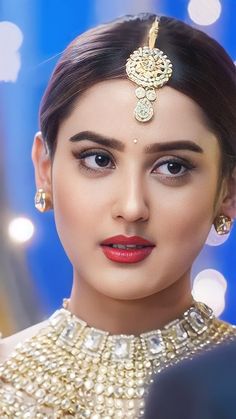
pixel 150 69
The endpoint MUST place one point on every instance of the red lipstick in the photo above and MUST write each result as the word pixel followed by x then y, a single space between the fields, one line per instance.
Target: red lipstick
pixel 127 249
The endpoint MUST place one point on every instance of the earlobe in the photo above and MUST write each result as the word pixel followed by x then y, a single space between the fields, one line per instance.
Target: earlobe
pixel 42 163
pixel 228 205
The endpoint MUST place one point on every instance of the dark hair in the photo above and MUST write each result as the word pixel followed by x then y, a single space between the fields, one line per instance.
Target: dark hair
pixel 202 70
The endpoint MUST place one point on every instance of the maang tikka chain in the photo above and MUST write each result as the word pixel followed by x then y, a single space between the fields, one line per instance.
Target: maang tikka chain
pixel 149 68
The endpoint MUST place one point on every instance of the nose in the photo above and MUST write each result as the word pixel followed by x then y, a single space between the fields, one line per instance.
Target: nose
pixel 131 202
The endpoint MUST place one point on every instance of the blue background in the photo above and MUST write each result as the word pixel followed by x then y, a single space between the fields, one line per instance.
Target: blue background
pixel 48 26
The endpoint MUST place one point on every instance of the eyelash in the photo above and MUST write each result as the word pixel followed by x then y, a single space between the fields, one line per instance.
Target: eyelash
pixel 82 155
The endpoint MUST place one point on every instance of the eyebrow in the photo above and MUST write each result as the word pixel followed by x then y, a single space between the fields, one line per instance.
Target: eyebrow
pixel 151 148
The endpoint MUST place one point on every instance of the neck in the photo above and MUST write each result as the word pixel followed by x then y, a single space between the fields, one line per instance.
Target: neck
pixel 130 316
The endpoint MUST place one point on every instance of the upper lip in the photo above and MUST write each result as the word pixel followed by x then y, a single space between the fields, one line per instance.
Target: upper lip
pixel 135 240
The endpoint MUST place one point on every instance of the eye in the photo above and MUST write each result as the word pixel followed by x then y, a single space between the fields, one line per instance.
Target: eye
pixel 94 160
pixel 173 168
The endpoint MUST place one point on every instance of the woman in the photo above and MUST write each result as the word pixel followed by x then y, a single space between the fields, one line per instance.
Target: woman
pixel 136 157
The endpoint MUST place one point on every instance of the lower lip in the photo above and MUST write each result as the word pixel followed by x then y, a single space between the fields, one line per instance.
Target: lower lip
pixel 127 256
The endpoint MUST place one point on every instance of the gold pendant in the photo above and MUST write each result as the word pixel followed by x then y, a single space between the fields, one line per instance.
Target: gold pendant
pixel 150 69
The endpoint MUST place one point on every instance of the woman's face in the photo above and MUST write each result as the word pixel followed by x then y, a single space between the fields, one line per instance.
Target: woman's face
pixel 163 193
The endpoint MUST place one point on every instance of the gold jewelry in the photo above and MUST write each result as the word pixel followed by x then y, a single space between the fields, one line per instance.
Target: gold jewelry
pixel 223 224
pixel 149 68
pixel 72 370
pixel 42 200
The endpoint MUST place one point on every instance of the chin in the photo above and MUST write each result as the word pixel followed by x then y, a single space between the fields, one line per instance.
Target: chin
pixel 129 292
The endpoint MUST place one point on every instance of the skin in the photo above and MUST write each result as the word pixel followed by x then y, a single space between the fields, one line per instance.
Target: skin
pixel 135 194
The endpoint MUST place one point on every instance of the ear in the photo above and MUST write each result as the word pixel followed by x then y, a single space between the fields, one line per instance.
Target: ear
pixel 228 196
pixel 42 164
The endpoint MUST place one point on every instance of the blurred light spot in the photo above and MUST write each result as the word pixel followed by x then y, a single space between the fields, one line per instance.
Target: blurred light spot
pixel 215 239
pixel 204 12
pixel 21 229
pixel 210 286
pixel 11 39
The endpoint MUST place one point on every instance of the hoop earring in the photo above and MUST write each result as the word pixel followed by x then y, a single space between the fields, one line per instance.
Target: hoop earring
pixel 223 224
pixel 42 201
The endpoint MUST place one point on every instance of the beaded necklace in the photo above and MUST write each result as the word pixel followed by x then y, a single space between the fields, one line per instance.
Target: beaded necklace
pixel 72 370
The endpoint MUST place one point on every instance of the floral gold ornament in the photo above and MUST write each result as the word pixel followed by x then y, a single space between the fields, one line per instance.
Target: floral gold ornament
pixel 150 69
pixel 42 200
pixel 223 224
pixel 72 370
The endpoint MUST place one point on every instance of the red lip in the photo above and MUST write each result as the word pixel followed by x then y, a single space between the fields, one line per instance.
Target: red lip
pixel 135 240
pixel 127 255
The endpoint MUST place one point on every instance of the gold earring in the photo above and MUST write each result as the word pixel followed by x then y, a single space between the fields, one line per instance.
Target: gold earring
pixel 223 224
pixel 42 200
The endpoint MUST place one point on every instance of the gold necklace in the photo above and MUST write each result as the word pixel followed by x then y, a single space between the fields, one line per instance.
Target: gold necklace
pixel 71 370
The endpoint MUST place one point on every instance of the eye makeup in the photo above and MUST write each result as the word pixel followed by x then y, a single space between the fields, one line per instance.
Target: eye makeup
pixel 100 161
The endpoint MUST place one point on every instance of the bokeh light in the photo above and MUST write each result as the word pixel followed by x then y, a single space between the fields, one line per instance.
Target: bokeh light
pixel 11 38
pixel 209 286
pixel 204 12
pixel 20 229
pixel 215 239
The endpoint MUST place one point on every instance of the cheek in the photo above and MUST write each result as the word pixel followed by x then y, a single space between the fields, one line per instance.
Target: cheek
pixel 78 209
pixel 186 216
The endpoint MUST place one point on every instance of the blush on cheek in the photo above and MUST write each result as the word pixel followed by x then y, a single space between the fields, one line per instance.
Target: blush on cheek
pixel 187 231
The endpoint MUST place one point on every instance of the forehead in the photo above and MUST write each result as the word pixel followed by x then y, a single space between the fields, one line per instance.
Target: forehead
pixel 108 108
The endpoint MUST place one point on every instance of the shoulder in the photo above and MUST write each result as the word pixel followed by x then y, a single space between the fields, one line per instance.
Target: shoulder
pixel 196 387
pixel 8 344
